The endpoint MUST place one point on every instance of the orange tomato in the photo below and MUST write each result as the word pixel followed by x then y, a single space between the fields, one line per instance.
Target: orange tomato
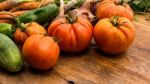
pixel 114 35
pixel 74 37
pixel 34 28
pixel 109 8
pixel 40 52
pixel 20 36
pixel 30 29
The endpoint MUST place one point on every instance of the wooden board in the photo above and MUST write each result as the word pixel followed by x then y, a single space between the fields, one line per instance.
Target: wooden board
pixel 93 67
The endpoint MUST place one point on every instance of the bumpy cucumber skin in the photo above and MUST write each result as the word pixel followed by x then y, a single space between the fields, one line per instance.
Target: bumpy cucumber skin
pixel 40 15
pixel 10 56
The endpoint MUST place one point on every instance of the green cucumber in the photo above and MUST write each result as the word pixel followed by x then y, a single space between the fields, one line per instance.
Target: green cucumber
pixel 6 29
pixel 40 15
pixel 10 56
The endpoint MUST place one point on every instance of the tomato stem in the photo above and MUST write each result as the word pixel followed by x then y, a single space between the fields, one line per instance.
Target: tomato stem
pixel 114 21
pixel 56 39
pixel 20 25
pixel 69 19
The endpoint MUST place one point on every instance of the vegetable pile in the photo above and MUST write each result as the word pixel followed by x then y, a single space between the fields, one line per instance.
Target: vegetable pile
pixel 44 28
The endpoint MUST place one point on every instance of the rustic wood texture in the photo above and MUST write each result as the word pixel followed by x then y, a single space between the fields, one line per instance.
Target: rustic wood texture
pixel 94 67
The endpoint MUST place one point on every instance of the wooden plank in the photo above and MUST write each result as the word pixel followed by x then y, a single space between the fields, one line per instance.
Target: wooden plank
pixel 30 76
pixel 143 19
pixel 94 67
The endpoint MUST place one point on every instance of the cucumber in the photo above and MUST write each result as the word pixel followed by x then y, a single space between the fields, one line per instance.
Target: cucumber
pixel 6 29
pixel 40 15
pixel 10 56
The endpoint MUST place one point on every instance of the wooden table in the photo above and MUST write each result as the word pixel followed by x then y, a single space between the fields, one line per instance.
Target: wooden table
pixel 93 67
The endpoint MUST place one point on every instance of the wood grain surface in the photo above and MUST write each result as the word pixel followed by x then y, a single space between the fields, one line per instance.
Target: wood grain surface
pixel 94 67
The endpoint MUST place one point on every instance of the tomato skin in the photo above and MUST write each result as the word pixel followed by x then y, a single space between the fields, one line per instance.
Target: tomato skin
pixel 109 8
pixel 30 29
pixel 73 37
pixel 41 52
pixel 20 36
pixel 111 39
pixel 34 28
